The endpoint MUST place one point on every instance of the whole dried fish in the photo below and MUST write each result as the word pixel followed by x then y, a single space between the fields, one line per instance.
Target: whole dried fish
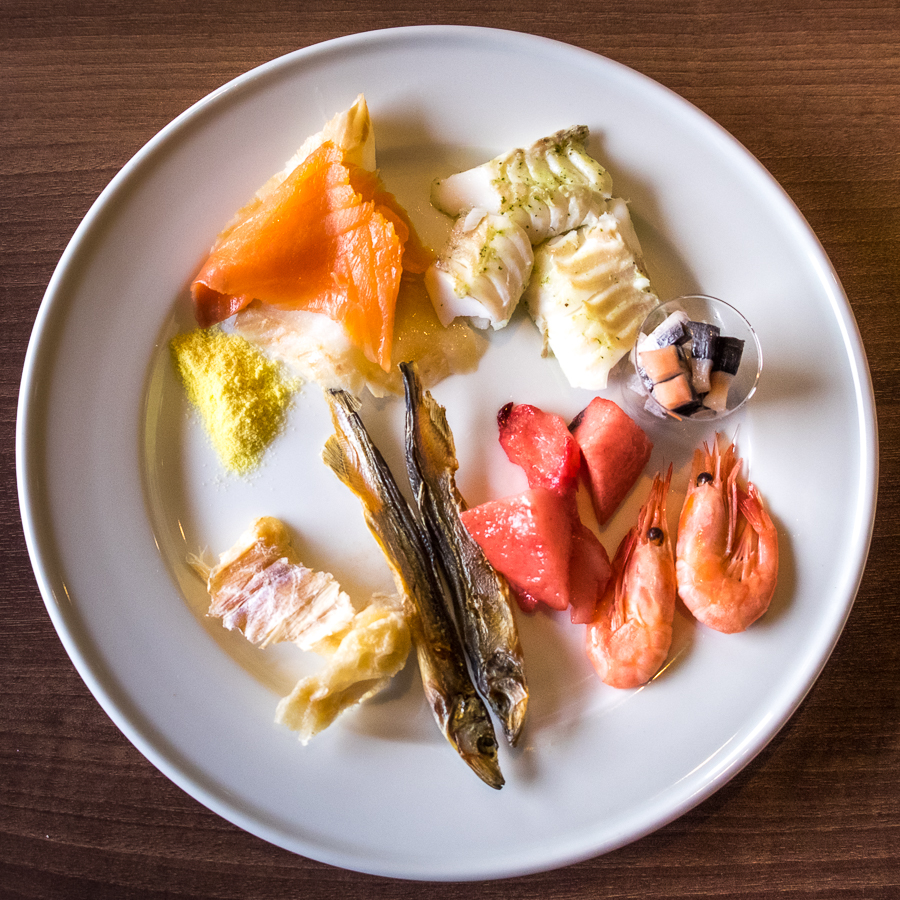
pixel 481 597
pixel 458 710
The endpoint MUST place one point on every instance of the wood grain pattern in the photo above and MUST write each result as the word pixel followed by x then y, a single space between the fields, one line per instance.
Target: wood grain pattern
pixel 810 87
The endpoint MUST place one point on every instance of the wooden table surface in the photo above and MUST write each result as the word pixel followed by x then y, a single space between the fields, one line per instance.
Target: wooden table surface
pixel 810 87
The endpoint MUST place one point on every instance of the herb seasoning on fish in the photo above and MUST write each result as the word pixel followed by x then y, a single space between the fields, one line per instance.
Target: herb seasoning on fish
pixel 458 710
pixel 480 594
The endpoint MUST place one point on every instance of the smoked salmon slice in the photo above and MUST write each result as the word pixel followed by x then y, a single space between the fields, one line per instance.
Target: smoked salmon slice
pixel 328 239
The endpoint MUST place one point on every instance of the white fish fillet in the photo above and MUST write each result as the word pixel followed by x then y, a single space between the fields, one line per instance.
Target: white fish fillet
pixel 548 188
pixel 316 348
pixel 482 272
pixel 505 207
pixel 589 294
pixel 313 346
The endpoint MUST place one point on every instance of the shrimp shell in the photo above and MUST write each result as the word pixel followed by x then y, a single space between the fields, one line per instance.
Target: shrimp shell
pixel 726 555
pixel 629 638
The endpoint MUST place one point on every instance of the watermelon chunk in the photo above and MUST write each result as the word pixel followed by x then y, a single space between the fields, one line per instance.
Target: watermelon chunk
pixel 528 539
pixel 615 451
pixel 541 443
pixel 589 572
pixel 547 554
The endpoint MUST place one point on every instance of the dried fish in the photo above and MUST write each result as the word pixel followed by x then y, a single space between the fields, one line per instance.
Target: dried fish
pixel 373 649
pixel 481 597
pixel 261 589
pixel 458 710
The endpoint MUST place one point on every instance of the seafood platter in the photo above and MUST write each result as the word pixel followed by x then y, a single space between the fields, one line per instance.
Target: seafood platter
pixel 438 477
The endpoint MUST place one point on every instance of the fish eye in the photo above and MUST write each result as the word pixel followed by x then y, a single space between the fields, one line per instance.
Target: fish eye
pixel 704 478
pixel 655 535
pixel 486 744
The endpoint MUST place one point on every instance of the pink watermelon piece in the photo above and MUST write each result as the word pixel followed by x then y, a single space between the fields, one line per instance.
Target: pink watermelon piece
pixel 528 539
pixel 589 572
pixel 615 451
pixel 541 443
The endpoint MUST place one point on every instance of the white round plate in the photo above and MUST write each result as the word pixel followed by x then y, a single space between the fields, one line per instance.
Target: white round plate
pixel 118 483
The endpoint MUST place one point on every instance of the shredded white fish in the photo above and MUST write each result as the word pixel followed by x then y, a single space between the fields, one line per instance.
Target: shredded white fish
pixel 259 588
pixel 373 650
pixel 317 349
pixel 312 345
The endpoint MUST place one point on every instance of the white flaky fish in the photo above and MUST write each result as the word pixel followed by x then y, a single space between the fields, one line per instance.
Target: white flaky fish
pixel 372 650
pixel 316 348
pixel 503 209
pixel 548 188
pixel 589 294
pixel 482 272
pixel 259 588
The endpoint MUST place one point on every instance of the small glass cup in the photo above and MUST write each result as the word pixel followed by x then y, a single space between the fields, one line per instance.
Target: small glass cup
pixel 712 311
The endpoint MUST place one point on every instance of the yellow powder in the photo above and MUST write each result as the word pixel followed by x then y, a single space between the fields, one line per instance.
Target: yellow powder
pixel 241 395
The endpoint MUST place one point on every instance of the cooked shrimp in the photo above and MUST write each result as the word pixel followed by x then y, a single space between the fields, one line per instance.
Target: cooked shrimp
pixel 630 636
pixel 727 547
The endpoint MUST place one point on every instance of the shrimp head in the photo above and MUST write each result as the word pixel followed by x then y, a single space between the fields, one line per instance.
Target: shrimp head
pixel 629 638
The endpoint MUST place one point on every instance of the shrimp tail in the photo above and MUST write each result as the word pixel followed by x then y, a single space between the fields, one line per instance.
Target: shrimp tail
pixel 741 561
pixel 764 532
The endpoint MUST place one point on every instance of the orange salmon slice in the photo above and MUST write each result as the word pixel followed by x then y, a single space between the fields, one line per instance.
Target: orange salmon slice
pixel 329 239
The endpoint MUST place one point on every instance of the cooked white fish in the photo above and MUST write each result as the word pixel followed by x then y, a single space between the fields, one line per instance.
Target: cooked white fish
pixel 313 346
pixel 588 295
pixel 482 271
pixel 548 188
pixel 504 208
pixel 316 348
